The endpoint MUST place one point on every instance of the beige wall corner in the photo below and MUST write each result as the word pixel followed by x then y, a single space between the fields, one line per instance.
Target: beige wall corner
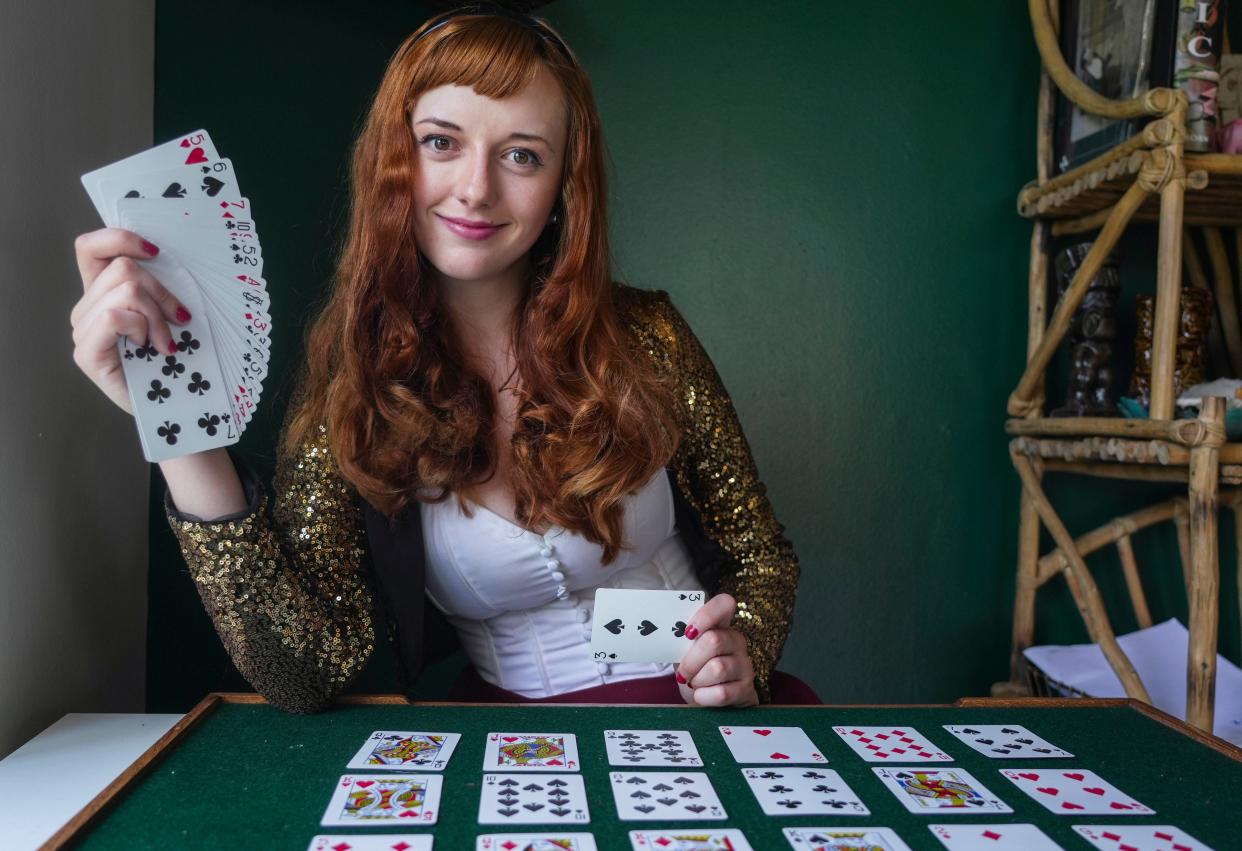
pixel 76 88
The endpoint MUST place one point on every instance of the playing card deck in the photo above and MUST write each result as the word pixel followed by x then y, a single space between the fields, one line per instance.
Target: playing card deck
pixel 642 626
pixel 183 197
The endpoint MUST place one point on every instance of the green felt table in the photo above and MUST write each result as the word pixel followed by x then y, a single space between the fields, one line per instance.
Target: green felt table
pixel 237 773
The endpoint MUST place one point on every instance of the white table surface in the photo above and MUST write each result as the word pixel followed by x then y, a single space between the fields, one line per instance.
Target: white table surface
pixel 77 756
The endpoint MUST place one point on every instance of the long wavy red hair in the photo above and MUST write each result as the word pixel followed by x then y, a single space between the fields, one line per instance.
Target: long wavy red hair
pixel 406 417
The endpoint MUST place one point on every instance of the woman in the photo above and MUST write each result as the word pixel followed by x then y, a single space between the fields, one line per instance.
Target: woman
pixel 485 421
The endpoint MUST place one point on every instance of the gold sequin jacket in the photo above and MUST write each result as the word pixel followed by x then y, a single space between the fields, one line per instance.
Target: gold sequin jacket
pixel 291 589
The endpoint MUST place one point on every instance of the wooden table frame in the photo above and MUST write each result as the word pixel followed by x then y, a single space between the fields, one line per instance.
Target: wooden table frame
pixel 128 778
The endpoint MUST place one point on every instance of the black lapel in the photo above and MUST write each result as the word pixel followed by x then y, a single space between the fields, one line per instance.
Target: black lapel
pixel 397 559
pixel 709 557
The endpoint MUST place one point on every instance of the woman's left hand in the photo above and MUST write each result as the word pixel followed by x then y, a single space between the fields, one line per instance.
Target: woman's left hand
pixel 716 670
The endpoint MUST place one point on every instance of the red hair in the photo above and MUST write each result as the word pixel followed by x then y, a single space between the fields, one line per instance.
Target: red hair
pixel 406 417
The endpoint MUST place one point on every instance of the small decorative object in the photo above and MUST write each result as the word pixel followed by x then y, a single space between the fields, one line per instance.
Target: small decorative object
pixel 1090 336
pixel 1191 358
pixel 1196 67
pixel 1229 137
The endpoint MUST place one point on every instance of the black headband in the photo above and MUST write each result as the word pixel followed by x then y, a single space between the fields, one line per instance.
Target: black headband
pixel 535 25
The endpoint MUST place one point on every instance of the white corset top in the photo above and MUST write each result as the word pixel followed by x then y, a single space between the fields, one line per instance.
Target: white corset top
pixel 521 602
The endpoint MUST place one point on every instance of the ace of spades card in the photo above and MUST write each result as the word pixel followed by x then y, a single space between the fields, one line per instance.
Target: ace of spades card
pixel 642 626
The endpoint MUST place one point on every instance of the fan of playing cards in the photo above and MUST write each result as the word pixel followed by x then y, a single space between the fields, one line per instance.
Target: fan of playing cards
pixel 184 197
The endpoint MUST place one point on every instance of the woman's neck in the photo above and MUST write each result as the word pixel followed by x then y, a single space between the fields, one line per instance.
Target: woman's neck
pixel 482 312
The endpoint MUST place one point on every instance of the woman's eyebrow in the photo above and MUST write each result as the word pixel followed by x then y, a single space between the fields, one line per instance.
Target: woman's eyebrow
pixel 448 125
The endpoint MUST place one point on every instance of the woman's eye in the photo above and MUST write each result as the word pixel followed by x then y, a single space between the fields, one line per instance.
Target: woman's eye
pixel 522 156
pixel 527 157
pixel 433 139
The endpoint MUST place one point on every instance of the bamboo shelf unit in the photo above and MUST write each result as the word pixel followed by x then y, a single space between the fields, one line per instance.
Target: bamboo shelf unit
pixel 1147 178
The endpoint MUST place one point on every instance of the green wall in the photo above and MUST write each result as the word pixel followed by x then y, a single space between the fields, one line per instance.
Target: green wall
pixel 827 191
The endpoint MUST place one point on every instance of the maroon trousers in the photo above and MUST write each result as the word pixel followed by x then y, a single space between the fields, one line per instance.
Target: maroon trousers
pixel 471 688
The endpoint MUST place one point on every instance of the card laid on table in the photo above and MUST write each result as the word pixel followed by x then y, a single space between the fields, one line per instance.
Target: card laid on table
pixel 891 744
pixel 184 197
pixel 982 837
pixel 535 842
pixel 1075 791
pixel 1145 837
pixel 788 745
pixel 1006 741
pixel 671 748
pixel 384 799
pixel 361 842
pixel 531 752
pixel 844 838
pixel 401 751
pixel 803 791
pixel 940 790
pixel 642 626
pixel 665 796
pixel 692 839
pixel 522 799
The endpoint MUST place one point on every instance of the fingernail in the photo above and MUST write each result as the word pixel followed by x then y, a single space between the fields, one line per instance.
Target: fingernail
pixel 172 347
pixel 150 248
pixel 680 678
pixel 183 315
pixel 692 632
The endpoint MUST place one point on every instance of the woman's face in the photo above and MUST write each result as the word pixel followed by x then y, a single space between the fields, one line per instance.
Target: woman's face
pixel 477 161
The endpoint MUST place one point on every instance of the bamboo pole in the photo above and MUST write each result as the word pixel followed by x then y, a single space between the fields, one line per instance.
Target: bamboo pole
pixel 1082 587
pixel 1205 571
pixel 1223 164
pixel 1111 532
pixel 1185 432
pixel 1222 288
pixel 1181 521
pixel 1021 400
pixel 1082 224
pixel 1127 472
pixel 1164 172
pixel 1125 551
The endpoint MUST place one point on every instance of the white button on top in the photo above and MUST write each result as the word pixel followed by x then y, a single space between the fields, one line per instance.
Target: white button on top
pixel 545 551
pixel 558 576
pixel 604 667
pixel 554 565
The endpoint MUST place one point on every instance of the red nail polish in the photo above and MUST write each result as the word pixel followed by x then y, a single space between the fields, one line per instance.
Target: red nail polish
pixel 692 632
pixel 680 678
pixel 183 315
pixel 149 248
pixel 172 347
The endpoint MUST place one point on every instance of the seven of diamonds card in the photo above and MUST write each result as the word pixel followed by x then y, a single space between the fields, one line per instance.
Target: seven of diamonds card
pixel 674 748
pixel 371 842
pixel 535 842
pixel 184 197
pixel 803 791
pixel 984 837
pixel 1075 791
pixel 694 839
pixel 891 744
pixel 940 790
pixel 844 839
pixel 531 752
pixel 380 799
pixel 523 799
pixel 788 745
pixel 642 626
pixel 665 796
pixel 1146 837
pixel 400 751
pixel 1006 741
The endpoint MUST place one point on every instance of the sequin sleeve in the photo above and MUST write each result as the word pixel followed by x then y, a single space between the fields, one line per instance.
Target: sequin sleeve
pixel 283 586
pixel 716 472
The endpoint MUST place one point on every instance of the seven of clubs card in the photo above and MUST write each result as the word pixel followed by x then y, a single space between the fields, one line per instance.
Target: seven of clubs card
pixel 642 626
pixel 943 790
pixel 1075 791
pixel 673 748
pixel 399 751
pixel 694 839
pixel 803 791
pixel 891 744
pixel 1147 837
pixel 531 752
pixel 789 745
pixel 183 197
pixel 665 796
pixel 535 842
pixel 376 799
pixel 522 799
pixel 981 837
pixel 844 839
pixel 1006 741
pixel 358 842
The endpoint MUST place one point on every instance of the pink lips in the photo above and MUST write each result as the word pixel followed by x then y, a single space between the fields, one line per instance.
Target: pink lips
pixel 468 231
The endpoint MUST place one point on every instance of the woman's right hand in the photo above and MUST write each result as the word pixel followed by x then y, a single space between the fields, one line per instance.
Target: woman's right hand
pixel 120 298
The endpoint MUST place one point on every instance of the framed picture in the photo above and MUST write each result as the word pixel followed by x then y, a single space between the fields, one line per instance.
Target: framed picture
pixel 1119 48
